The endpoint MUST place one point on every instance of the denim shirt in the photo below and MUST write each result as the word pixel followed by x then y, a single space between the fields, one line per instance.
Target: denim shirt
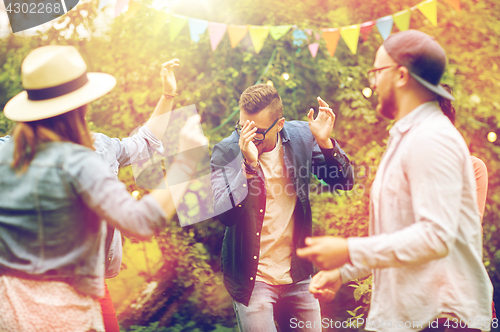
pixel 241 203
pixel 50 216
pixel 117 153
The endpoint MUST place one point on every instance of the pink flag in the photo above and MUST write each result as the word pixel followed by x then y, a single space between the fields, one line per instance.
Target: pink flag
pixel 216 31
pixel 313 48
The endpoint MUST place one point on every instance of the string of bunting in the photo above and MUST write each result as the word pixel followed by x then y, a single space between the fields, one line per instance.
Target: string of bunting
pixel 259 34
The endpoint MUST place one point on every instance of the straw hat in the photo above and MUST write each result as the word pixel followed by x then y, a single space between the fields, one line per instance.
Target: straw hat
pixel 56 82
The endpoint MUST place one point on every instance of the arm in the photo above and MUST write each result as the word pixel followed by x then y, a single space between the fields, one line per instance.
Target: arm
pixel 330 163
pixel 333 167
pixel 481 173
pixel 136 146
pixel 230 186
pixel 108 197
pixel 434 172
pixel 157 124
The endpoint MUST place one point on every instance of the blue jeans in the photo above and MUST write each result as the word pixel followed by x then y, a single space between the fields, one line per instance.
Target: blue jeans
pixel 291 306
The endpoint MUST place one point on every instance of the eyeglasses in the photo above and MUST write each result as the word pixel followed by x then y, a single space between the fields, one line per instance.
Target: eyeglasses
pixel 372 77
pixel 259 135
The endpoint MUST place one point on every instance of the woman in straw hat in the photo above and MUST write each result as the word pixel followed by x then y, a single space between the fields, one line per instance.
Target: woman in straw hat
pixel 54 192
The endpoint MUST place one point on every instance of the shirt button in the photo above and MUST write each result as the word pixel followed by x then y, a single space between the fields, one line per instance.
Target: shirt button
pixel 257 233
pixel 254 257
pixel 239 205
pixel 244 185
pixel 251 278
pixel 261 210
pixel 335 154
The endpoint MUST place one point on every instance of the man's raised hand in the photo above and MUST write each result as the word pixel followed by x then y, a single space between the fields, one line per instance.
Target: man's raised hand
pixel 247 146
pixel 168 77
pixel 322 126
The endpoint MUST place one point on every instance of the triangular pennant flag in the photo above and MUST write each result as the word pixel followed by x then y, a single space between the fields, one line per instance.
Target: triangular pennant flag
pixel 177 22
pixel 384 26
pixel 258 35
pixel 313 48
pixel 299 37
pixel 279 31
pixel 133 8
pixel 103 3
pixel 120 4
pixel 455 4
pixel 331 36
pixel 350 35
pixel 236 33
pixel 365 29
pixel 197 27
pixel 160 19
pixel 429 9
pixel 216 31
pixel 402 19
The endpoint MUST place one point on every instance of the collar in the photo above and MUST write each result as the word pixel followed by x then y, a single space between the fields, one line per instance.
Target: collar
pixel 414 117
pixel 284 134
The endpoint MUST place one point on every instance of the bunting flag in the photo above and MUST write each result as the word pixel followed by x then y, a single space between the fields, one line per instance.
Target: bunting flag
pixel 133 8
pixel 236 33
pixel 455 4
pixel 365 29
pixel 159 21
pixel 429 9
pixel 279 31
pixel 313 48
pixel 120 4
pixel 177 22
pixel 351 36
pixel 384 26
pixel 402 19
pixel 258 34
pixel 196 28
pixel 216 31
pixel 331 36
pixel 103 3
pixel 299 37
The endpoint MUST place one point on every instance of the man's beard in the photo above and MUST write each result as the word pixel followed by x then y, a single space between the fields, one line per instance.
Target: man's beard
pixel 387 105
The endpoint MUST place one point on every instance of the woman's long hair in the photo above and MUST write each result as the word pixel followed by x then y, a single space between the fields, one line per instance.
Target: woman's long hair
pixel 446 105
pixel 67 127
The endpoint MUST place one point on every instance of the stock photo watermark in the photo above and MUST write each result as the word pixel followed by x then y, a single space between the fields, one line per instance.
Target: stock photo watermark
pixel 27 14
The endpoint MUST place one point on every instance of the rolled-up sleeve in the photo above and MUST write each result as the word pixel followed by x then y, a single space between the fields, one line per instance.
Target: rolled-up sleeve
pixel 133 148
pixel 105 195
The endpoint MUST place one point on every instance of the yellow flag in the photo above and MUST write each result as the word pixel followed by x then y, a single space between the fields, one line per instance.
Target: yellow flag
pixel 236 33
pixel 258 34
pixel 350 35
pixel 133 8
pixel 402 19
pixel 429 9
pixel 177 22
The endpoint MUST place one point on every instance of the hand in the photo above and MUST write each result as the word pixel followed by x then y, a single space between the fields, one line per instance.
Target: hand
pixel 325 284
pixel 247 146
pixel 190 137
pixel 326 252
pixel 322 126
pixel 168 77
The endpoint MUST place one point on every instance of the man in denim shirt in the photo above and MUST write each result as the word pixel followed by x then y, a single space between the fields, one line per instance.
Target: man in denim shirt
pixel 264 204
pixel 119 153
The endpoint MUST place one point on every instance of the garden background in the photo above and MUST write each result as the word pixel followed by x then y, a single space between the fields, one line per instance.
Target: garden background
pixel 173 283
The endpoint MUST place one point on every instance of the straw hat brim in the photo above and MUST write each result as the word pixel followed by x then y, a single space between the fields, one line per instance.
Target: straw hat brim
pixel 21 109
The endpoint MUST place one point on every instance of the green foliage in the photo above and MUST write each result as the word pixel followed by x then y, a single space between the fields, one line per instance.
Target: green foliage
pixel 213 81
